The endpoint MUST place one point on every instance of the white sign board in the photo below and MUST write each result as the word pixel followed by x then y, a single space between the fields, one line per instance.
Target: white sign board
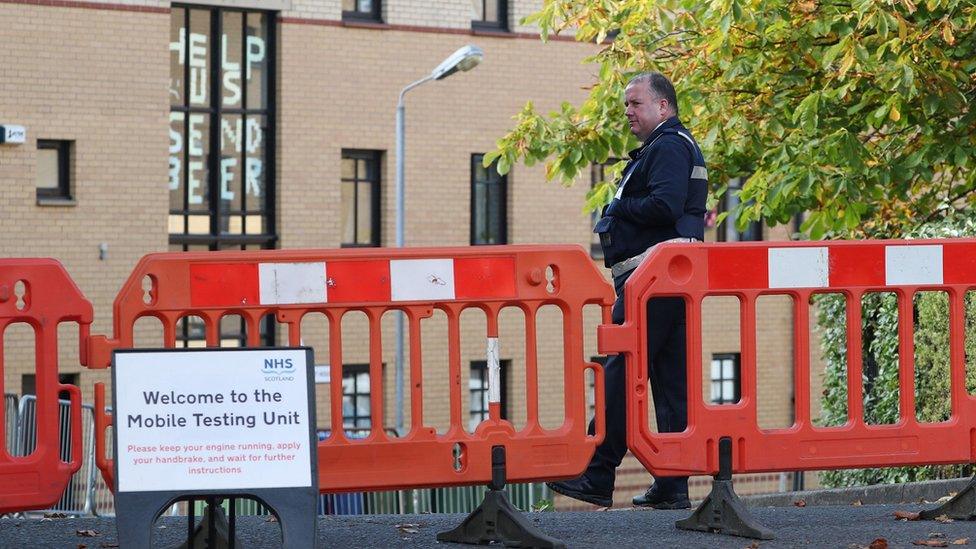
pixel 212 419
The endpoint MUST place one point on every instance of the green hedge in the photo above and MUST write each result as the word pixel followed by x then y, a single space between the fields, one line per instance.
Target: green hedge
pixel 879 328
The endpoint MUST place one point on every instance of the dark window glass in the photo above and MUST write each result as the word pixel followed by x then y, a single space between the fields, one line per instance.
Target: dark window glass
pixel 489 204
pixel 355 396
pixel 727 231
pixel 221 164
pixel 28 384
pixel 361 10
pixel 53 170
pixel 598 174
pixel 478 391
pixel 490 14
pixel 359 214
pixel 725 378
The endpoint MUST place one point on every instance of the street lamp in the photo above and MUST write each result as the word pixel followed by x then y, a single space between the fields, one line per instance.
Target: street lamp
pixel 464 59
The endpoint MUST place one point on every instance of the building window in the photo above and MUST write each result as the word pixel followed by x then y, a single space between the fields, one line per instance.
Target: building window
pixel 490 15
pixel 53 170
pixel 355 396
pixel 362 10
pixel 222 138
pixel 478 391
pixel 727 231
pixel 489 203
pixel 598 174
pixel 360 216
pixel 725 378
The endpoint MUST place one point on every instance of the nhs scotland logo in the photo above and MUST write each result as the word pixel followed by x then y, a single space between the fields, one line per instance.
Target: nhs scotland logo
pixel 278 369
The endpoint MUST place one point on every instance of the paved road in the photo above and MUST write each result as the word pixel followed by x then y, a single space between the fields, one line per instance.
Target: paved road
pixel 827 526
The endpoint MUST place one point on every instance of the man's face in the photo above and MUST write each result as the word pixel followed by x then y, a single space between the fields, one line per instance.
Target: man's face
pixel 644 110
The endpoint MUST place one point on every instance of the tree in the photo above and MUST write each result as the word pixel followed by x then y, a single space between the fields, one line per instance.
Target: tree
pixel 859 112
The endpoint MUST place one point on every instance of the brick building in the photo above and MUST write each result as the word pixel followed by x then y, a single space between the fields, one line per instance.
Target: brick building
pixel 237 124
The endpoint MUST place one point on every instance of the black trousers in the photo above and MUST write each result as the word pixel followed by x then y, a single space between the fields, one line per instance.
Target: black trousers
pixel 666 369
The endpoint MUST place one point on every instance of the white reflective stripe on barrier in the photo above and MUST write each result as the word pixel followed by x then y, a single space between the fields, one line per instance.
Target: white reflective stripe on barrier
pixel 913 264
pixel 494 372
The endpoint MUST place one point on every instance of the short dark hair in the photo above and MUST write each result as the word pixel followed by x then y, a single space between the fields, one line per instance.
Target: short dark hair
pixel 659 86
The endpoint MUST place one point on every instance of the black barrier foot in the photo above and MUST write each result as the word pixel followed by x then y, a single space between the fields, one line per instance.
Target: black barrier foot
pixel 213 531
pixel 722 512
pixel 961 506
pixel 496 520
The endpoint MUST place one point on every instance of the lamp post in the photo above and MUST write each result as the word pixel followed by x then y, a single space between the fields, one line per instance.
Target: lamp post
pixel 464 59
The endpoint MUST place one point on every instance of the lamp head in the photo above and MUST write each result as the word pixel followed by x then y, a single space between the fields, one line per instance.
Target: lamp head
pixel 464 59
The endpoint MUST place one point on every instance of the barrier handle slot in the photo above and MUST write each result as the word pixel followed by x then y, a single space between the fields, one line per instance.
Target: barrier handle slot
pixel 75 413
pixel 497 468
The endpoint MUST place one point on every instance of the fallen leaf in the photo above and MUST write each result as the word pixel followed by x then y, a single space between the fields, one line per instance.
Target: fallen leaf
pixel 879 543
pixel 87 533
pixel 856 503
pixel 943 499
pixel 906 515
pixel 408 528
pixel 800 503
pixel 82 546
pixel 931 542
pixel 753 545
pixel 944 519
pixel 271 518
pixel 961 541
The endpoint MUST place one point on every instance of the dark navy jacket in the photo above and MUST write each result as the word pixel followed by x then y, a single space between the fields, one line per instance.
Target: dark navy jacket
pixel 664 188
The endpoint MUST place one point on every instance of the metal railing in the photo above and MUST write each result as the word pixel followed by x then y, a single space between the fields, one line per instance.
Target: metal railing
pixel 10 403
pixel 78 496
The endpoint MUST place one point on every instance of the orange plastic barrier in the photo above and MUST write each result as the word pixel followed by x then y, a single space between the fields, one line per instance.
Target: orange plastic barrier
pixel 40 294
pixel 293 283
pixel 798 270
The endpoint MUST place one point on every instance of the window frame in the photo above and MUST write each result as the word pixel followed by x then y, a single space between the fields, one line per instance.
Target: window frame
pixel 353 371
pixel 499 25
pixel 481 366
pixel 215 239
pixel 736 379
pixel 375 15
pixel 753 233
pixel 376 211
pixel 62 192
pixel 501 180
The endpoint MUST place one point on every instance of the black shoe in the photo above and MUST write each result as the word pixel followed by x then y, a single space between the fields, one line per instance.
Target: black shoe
pixel 656 499
pixel 581 489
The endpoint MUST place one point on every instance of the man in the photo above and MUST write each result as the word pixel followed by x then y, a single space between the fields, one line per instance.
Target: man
pixel 660 198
